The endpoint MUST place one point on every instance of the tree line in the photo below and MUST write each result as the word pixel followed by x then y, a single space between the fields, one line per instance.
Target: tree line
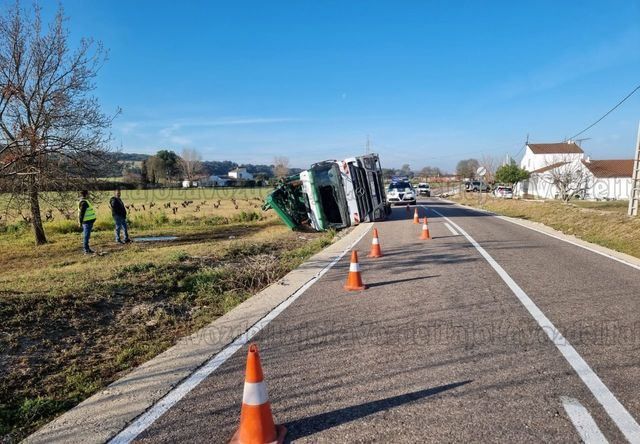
pixel 166 167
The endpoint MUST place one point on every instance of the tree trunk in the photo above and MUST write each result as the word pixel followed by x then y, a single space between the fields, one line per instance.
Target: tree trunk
pixel 36 219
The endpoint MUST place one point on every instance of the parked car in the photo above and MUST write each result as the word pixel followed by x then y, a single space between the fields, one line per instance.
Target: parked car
pixel 503 192
pixel 477 186
pixel 401 192
pixel 424 189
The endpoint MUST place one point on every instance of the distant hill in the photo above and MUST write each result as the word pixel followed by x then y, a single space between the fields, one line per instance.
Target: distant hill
pixel 131 157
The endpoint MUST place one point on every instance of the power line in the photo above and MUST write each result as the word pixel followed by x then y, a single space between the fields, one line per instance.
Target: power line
pixel 607 113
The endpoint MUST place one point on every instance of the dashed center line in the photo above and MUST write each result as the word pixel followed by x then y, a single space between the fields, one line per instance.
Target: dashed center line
pixel 614 408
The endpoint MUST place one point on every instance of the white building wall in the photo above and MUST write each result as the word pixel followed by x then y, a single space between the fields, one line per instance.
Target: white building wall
pixel 532 162
pixel 616 188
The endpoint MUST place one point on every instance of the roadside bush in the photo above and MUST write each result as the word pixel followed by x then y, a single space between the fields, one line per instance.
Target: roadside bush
pixel 160 218
pixel 179 256
pixel 63 227
pixel 15 228
pixel 246 216
pixel 103 224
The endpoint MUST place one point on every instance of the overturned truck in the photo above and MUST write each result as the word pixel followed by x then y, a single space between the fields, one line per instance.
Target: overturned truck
pixel 332 194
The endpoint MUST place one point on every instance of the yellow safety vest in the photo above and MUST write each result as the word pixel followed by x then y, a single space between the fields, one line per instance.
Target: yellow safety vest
pixel 90 213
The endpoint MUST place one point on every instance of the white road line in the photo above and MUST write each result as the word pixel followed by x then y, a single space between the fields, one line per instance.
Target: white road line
pixel 454 232
pixel 180 391
pixel 583 421
pixel 618 413
pixel 515 222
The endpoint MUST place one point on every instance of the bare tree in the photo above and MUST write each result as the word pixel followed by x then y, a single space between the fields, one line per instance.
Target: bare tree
pixel 190 163
pixel 53 135
pixel 280 166
pixel 490 163
pixel 429 171
pixel 467 168
pixel 568 175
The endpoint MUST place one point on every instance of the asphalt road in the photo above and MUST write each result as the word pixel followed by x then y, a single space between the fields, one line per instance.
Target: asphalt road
pixel 439 348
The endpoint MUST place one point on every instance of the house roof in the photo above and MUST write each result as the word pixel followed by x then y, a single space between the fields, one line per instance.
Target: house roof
pixel 548 167
pixel 610 168
pixel 555 148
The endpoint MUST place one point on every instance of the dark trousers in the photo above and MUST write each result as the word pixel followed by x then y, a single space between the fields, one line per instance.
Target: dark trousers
pixel 121 224
pixel 86 234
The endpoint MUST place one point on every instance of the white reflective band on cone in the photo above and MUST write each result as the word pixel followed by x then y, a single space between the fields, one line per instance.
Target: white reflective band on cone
pixel 255 393
pixel 375 241
pixel 354 267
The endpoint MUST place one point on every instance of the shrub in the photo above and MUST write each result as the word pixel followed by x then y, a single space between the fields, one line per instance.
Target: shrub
pixel 63 227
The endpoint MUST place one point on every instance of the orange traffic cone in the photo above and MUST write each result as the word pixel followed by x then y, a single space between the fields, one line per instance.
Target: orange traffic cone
pixel 354 281
pixel 375 245
pixel 416 219
pixel 425 231
pixel 256 420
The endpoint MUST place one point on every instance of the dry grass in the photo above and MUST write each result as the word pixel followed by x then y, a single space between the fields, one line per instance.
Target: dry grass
pixel 602 223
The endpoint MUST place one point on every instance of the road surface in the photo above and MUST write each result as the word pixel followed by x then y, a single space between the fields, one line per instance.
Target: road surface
pixel 450 343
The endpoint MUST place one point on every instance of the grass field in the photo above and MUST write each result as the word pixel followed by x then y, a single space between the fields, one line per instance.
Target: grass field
pixel 602 223
pixel 71 324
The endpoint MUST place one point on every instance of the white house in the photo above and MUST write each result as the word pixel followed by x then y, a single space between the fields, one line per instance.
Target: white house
pixel 240 174
pixel 218 181
pixel 541 155
pixel 564 163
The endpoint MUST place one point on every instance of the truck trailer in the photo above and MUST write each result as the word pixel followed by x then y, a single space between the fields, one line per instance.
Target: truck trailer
pixel 332 195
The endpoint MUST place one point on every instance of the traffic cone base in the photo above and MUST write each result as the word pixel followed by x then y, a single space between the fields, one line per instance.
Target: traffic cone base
pixel 375 245
pixel 354 281
pixel 281 431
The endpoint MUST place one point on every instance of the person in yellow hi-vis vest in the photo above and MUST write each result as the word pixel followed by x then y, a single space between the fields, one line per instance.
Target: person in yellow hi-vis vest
pixel 87 216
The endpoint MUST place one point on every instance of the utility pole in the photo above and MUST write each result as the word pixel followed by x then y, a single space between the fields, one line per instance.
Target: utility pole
pixel 635 180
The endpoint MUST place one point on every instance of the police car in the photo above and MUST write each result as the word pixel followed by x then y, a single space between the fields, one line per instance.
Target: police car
pixel 400 191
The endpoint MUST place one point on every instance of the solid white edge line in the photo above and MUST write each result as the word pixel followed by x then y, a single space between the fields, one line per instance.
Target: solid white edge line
pixel 569 241
pixel 618 413
pixel 154 412
pixel 454 232
pixel 583 421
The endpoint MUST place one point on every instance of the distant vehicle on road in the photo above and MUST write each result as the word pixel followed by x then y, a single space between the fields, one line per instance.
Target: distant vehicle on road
pixel 424 189
pixel 503 192
pixel 477 186
pixel 401 192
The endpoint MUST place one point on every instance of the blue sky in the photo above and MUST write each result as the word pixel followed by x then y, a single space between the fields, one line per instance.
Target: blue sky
pixel 430 82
